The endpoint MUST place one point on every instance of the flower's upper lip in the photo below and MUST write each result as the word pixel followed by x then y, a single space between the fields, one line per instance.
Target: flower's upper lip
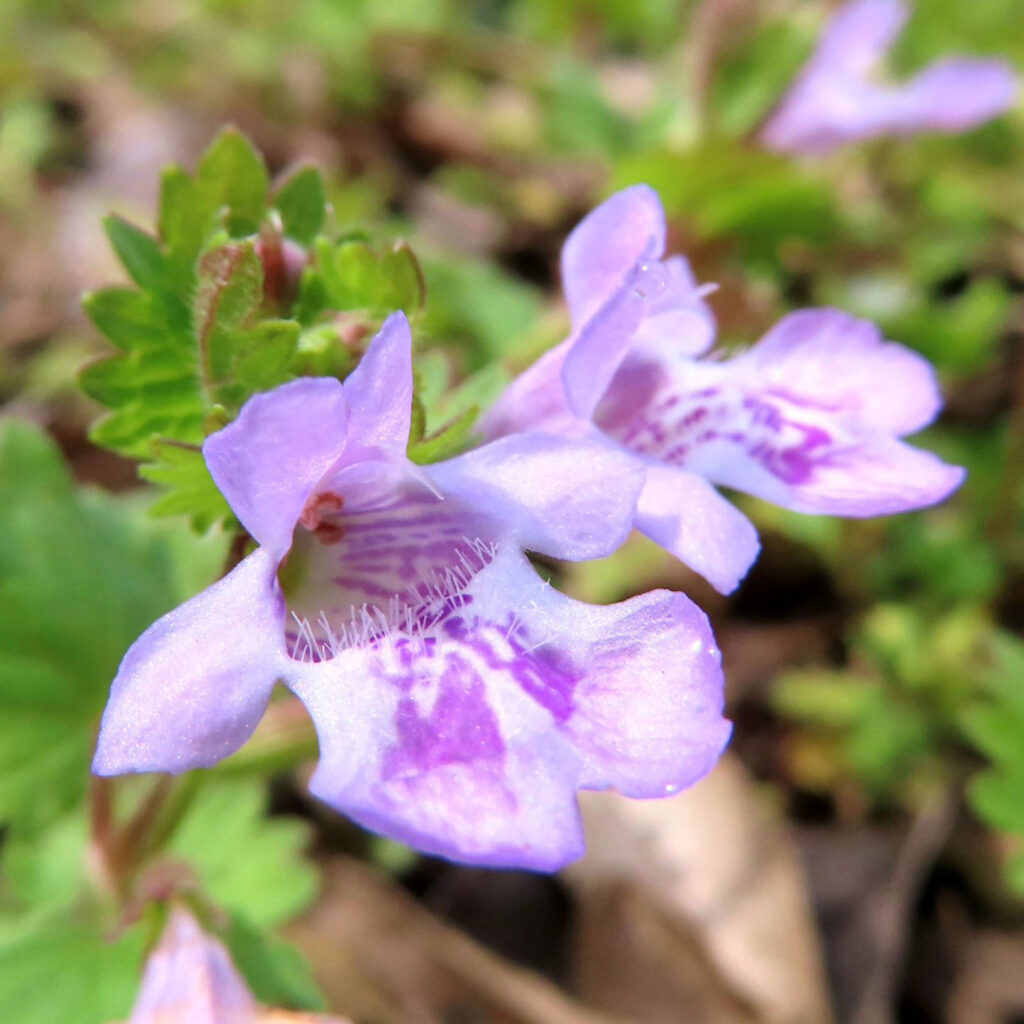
pixel 272 458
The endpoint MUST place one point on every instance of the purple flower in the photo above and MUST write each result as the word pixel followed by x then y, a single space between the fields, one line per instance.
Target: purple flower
pixel 836 98
pixel 189 976
pixel 809 418
pixel 189 979
pixel 458 699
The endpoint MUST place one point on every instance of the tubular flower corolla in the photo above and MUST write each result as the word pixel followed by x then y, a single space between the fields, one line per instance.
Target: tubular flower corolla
pixel 458 699
pixel 809 418
pixel 836 98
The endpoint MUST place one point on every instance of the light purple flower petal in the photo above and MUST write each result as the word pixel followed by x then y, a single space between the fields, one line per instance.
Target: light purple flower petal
pixel 845 364
pixel 956 95
pixel 645 711
pixel 859 34
pixel 379 390
pixel 685 515
pixel 189 977
pixel 605 247
pixel 602 343
pixel 271 459
pixel 192 688
pixel 471 739
pixel 620 295
pixel 268 462
pixel 836 99
pixel 535 400
pixel 804 419
pixel 872 477
pixel 657 306
pixel 570 498
pixel 676 318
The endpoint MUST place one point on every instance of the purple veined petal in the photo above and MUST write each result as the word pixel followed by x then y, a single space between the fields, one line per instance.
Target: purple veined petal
pixel 379 390
pixel 790 420
pixel 192 688
pixel 535 400
pixel 846 366
pixel 875 477
pixel 664 730
pixel 636 686
pixel 565 497
pixel 189 976
pixel 416 551
pixel 603 249
pixel 684 514
pixel 857 36
pixel 435 739
pixel 955 95
pixel 269 460
pixel 807 458
pixel 469 739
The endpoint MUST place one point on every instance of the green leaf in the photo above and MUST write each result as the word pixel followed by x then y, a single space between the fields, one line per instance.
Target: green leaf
pixel 239 354
pixel 184 218
pixel 251 864
pixel 483 308
pixel 998 798
pixel 228 295
pixel 152 388
pixel 139 252
pixel 81 575
pixel 837 700
pixel 352 275
pixel 446 442
pixel 277 972
pixel 755 199
pixel 189 488
pixel 302 204
pixel 58 968
pixel 232 175
pixel 128 318
pixel 263 355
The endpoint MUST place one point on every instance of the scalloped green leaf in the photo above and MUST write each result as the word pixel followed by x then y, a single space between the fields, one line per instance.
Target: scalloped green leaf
pixel 249 863
pixel 140 253
pixel 302 203
pixel 188 488
pixel 81 576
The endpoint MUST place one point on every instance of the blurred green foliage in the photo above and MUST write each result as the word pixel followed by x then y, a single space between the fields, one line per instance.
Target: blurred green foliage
pixel 512 117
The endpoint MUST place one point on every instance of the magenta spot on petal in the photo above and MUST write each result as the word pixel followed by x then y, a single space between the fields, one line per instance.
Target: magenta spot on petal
pixel 772 428
pixel 460 728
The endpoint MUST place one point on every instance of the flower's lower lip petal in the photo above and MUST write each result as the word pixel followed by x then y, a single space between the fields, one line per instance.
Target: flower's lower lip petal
pixel 806 419
pixel 648 714
pixel 875 478
pixel 411 746
pixel 637 687
pixel 471 743
pixel 685 515
pixel 192 688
